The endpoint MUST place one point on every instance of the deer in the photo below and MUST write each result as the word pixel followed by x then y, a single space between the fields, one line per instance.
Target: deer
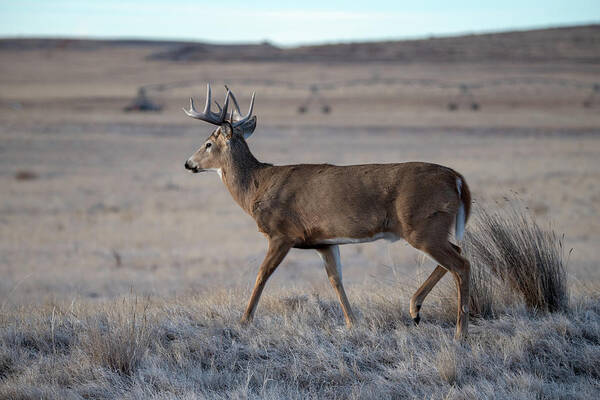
pixel 323 206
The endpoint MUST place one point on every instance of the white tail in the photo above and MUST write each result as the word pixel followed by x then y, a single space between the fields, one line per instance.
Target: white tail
pixel 461 218
pixel 321 206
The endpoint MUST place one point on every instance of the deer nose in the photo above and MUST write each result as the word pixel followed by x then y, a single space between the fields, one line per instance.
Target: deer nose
pixel 188 165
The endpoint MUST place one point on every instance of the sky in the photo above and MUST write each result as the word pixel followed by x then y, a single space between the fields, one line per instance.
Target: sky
pixel 284 23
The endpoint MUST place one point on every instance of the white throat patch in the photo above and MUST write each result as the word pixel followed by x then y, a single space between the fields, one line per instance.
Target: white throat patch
pixel 217 170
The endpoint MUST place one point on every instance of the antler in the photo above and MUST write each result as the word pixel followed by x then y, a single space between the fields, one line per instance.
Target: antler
pixel 208 115
pixel 241 121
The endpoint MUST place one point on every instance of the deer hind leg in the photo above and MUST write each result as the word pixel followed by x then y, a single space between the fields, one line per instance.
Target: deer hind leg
pixel 449 257
pixel 333 266
pixel 276 253
pixel 416 301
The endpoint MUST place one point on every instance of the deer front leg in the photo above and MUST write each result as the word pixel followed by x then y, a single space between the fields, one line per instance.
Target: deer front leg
pixel 333 266
pixel 276 253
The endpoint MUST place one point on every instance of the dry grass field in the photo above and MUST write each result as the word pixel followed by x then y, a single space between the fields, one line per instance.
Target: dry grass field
pixel 124 276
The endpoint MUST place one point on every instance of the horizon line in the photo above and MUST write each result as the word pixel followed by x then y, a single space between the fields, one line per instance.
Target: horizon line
pixel 302 44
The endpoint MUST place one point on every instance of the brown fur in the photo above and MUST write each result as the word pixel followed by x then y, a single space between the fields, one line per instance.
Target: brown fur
pixel 310 205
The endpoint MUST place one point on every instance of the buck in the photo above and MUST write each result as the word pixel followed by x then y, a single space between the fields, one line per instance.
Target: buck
pixel 322 206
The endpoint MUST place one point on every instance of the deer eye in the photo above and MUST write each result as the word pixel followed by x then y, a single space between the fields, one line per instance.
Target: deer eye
pixel 208 145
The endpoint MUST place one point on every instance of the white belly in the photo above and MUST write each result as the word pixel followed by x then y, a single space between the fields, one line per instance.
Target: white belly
pixel 343 240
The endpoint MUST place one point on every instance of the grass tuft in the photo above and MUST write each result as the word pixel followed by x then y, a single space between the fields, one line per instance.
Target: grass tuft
pixel 511 254
pixel 6 365
pixel 119 338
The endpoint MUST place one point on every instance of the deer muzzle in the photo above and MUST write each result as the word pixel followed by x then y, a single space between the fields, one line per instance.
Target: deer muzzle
pixel 192 166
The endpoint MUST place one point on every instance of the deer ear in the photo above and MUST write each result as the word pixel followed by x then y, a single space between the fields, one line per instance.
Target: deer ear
pixel 226 130
pixel 247 128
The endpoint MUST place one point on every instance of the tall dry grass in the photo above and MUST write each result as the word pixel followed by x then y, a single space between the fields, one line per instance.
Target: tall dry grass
pixel 120 337
pixel 513 258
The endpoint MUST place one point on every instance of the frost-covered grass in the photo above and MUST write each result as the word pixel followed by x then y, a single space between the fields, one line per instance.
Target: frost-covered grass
pixel 529 338
pixel 297 347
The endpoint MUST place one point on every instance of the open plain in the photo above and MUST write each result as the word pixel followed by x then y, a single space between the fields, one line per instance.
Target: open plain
pixel 106 241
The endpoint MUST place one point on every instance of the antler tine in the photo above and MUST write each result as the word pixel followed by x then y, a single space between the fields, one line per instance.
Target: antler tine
pixel 223 114
pixel 247 117
pixel 208 115
pixel 208 93
pixel 235 103
pixel 192 111
pixel 251 104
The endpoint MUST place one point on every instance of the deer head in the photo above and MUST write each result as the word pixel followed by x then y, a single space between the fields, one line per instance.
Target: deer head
pixel 232 128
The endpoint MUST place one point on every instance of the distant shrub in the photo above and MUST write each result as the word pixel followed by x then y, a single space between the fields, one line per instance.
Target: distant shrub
pixel 508 249
pixel 25 175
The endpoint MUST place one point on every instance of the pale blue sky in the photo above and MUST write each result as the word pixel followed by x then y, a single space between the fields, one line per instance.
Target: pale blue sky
pixel 283 23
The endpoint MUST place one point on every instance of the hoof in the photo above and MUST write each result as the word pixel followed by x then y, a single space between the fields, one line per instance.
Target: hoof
pixel 417 319
pixel 350 323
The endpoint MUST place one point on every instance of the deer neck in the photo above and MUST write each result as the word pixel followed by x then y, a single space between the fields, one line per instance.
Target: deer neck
pixel 240 172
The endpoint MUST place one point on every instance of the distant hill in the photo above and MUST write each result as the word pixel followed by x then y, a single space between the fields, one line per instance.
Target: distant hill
pixel 222 52
pixel 580 44
pixel 574 44
pixel 79 44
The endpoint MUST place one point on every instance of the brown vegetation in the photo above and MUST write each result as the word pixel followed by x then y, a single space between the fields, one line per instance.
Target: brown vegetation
pixel 514 256
pixel 25 175
pixel 297 348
